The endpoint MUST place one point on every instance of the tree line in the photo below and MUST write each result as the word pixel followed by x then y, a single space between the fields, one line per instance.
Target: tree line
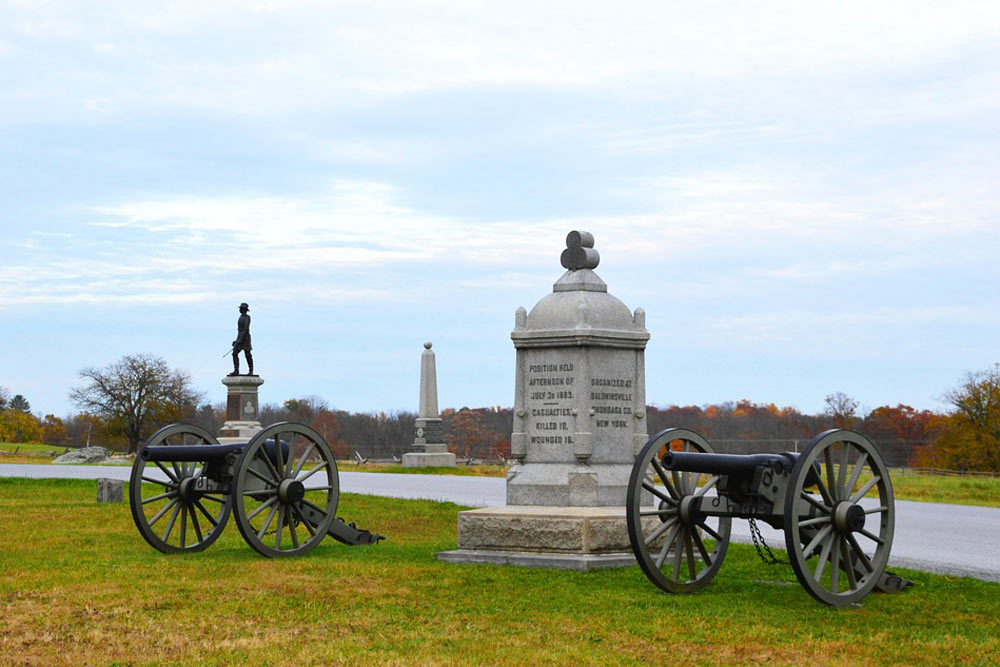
pixel 126 401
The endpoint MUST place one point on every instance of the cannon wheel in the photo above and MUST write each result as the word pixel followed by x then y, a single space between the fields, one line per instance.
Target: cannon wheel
pixel 166 520
pixel 839 517
pixel 677 549
pixel 285 498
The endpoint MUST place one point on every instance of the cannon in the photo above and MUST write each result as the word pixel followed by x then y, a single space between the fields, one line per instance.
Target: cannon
pixel 282 486
pixel 833 501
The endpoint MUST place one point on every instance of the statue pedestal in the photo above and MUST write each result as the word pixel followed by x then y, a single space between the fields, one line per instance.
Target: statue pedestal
pixel 242 421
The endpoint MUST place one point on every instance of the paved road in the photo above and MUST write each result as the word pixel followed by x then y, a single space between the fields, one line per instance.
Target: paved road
pixel 947 539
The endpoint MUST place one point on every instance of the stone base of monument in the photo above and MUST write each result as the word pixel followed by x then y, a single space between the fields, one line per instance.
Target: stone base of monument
pixel 428 459
pixel 568 538
pixel 241 409
pixel 429 454
pixel 232 432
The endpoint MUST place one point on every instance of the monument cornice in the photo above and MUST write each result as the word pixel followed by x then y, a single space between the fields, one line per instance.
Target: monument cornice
pixel 579 338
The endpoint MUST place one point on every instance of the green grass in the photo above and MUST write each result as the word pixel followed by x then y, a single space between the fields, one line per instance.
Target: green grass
pixel 79 585
pixel 982 491
pixel 31 448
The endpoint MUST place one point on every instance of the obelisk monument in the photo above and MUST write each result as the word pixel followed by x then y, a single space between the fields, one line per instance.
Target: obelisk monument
pixel 579 420
pixel 428 442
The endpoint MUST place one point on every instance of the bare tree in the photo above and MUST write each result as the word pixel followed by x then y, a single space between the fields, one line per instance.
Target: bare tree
pixel 136 393
pixel 842 409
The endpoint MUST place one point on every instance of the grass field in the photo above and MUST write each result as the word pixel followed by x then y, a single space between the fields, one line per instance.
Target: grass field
pixel 80 586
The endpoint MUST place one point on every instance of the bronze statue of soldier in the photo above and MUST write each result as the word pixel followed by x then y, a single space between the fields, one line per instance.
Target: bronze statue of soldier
pixel 242 342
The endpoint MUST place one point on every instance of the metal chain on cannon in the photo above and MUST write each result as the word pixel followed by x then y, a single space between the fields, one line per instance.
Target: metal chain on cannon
pixel 758 539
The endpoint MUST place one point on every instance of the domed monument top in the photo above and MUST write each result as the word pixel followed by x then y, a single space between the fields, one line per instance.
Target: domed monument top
pixel 580 310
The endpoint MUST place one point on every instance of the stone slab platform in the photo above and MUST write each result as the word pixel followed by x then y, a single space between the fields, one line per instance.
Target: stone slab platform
pixel 578 538
pixel 428 459
pixel 578 562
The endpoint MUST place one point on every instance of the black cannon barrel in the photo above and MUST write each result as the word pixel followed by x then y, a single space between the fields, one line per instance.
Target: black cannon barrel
pixel 206 453
pixel 724 464
pixel 189 453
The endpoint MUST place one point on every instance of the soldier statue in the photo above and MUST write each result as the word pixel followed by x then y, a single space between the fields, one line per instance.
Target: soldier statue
pixel 242 341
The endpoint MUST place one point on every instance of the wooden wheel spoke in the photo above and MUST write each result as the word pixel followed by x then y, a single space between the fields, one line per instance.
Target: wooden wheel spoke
pixel 873 510
pixel 153 499
pixel 861 555
pixel 304 521
pixel 845 456
pixel 261 492
pixel 291 528
pixel 267 522
pixel 291 456
pixel 711 531
pixel 262 507
pixel 845 559
pixel 281 527
pixel 214 499
pixel 689 548
pixel 824 556
pixel 866 488
pixel 170 475
pixel 707 487
pixel 664 512
pixel 315 470
pixel 302 461
pixel 207 514
pixel 701 548
pixel 195 524
pixel 659 494
pixel 662 556
pixel 813 521
pixel 815 503
pixel 678 483
pixel 662 528
pixel 835 565
pixel 678 552
pixel 658 467
pixel 817 538
pixel 824 491
pixel 170 523
pixel 831 479
pixel 269 482
pixel 872 536
pixel 184 525
pixel 162 512
pixel 261 455
pixel 166 485
pixel 856 473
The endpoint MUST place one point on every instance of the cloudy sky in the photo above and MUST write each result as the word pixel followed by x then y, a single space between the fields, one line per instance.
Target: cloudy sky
pixel 802 196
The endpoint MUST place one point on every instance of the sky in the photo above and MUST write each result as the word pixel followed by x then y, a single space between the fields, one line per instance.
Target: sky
pixel 802 196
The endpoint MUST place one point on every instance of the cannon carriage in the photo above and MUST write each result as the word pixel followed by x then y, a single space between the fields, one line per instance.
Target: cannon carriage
pixel 833 501
pixel 282 486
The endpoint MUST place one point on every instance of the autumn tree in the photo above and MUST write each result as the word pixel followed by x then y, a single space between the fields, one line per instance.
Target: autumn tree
pixel 470 434
pixel 4 397
pixel 842 409
pixel 53 430
pixel 970 437
pixel 18 426
pixel 135 394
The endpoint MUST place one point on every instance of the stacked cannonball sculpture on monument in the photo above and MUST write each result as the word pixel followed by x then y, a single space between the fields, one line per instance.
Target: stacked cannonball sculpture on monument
pixel 281 481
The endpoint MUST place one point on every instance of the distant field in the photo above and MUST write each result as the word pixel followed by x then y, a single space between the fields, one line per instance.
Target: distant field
pixel 78 583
